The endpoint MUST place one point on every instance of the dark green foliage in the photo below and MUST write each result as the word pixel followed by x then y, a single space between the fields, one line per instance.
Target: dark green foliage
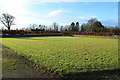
pixel 92 26
pixel 84 28
pixel 72 24
pixel 77 26
pixel 74 27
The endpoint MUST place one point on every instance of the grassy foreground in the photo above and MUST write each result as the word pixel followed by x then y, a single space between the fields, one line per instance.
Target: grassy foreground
pixel 15 66
pixel 68 54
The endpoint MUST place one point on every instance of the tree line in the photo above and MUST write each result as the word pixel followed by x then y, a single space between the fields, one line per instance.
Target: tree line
pixel 92 25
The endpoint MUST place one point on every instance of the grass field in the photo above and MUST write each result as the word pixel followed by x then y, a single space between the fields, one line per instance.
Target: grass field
pixel 68 54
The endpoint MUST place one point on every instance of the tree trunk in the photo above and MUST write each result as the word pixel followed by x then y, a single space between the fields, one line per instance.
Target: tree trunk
pixel 9 28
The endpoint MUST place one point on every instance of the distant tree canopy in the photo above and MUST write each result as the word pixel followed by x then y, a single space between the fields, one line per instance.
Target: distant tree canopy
pixel 35 27
pixel 77 26
pixel 55 26
pixel 74 27
pixel 7 20
pixel 92 26
pixel 61 28
pixel 113 29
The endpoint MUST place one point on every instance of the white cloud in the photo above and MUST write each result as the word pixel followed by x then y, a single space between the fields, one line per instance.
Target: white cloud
pixel 55 13
pixel 86 17
pixel 13 6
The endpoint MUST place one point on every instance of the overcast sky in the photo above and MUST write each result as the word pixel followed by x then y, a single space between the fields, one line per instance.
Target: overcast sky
pixel 63 12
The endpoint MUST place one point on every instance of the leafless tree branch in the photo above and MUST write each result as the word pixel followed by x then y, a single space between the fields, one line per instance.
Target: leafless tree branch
pixel 7 20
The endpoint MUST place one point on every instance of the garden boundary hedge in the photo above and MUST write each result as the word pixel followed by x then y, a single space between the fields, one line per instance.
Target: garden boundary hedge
pixel 54 33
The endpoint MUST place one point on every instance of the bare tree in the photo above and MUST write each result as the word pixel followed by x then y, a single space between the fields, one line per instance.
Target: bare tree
pixel 55 26
pixel 7 20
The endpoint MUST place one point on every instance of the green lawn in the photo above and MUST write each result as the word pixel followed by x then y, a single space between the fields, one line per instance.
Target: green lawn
pixel 68 54
pixel 108 37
